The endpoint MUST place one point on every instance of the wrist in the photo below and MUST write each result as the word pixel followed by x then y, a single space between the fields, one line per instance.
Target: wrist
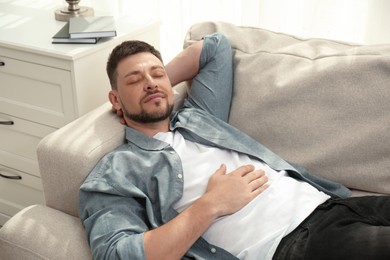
pixel 208 207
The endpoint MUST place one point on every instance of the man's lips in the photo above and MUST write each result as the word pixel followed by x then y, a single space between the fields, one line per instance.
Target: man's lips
pixel 154 97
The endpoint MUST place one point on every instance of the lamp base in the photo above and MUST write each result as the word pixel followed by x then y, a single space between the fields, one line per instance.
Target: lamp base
pixel 63 14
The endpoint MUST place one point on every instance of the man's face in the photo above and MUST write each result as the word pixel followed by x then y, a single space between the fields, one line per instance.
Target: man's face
pixel 144 92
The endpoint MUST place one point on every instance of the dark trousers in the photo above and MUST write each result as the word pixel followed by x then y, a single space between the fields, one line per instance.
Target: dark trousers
pixel 354 228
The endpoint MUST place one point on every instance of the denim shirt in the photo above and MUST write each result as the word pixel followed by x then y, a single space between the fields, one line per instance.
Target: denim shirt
pixel 133 188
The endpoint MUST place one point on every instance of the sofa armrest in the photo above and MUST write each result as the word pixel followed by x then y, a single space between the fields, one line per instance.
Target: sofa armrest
pixel 40 232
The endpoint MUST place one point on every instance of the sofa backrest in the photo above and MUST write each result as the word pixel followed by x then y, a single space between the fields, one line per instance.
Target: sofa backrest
pixel 322 104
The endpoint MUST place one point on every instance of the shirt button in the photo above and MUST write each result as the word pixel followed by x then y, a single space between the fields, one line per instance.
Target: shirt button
pixel 180 176
pixel 213 250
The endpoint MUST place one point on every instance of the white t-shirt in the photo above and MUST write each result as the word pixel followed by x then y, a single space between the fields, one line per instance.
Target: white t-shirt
pixel 255 231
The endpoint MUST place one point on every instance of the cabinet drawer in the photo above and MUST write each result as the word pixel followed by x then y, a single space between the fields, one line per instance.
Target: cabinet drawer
pixel 18 143
pixel 16 194
pixel 35 92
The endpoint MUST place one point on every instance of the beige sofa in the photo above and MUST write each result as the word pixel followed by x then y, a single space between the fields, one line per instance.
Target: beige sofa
pixel 318 103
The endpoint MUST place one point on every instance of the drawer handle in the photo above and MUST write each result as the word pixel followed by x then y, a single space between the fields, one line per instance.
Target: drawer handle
pixel 14 177
pixel 6 122
pixel 2 63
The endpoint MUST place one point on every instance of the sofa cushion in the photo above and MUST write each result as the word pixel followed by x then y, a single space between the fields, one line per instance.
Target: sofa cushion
pixel 319 103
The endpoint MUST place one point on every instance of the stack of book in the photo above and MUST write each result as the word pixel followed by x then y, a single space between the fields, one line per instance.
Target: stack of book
pixel 86 30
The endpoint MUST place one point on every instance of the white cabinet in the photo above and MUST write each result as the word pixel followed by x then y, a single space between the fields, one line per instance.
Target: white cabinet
pixel 44 86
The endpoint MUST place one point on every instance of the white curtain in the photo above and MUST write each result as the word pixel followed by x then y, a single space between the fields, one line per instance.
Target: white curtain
pixel 178 15
pixel 360 21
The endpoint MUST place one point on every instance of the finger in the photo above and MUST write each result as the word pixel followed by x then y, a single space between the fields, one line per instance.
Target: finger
pixel 243 170
pixel 259 190
pixel 254 175
pixel 221 170
pixel 259 183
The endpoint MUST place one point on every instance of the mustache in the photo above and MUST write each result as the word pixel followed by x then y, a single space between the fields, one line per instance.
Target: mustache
pixel 154 93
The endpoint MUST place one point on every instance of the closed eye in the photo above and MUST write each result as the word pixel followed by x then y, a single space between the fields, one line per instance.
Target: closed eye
pixel 158 75
pixel 133 79
pixel 158 72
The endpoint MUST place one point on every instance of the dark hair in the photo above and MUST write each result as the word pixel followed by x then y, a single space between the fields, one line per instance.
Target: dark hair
pixel 124 50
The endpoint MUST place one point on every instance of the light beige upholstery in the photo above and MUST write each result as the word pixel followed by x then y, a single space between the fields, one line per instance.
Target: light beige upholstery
pixel 41 232
pixel 318 103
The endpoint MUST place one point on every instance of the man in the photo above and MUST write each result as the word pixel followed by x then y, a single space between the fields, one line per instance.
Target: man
pixel 188 185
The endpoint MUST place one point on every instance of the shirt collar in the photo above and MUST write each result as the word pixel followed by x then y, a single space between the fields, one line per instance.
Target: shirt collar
pixel 143 141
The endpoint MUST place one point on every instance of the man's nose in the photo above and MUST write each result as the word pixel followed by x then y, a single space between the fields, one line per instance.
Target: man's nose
pixel 150 83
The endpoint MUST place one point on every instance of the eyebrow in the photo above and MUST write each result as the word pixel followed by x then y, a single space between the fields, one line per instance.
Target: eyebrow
pixel 136 72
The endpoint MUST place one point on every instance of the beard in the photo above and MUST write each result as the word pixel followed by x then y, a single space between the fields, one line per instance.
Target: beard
pixel 146 117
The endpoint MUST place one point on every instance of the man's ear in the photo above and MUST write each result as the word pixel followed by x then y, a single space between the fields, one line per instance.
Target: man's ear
pixel 116 105
pixel 114 99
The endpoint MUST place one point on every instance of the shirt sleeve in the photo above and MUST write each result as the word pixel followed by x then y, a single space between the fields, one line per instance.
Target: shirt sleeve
pixel 211 90
pixel 114 221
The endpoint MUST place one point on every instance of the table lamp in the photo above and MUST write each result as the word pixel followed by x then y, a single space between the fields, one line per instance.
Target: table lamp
pixel 73 9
